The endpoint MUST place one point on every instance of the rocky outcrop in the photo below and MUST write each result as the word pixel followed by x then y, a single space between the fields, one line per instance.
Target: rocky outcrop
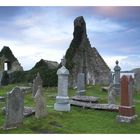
pixel 81 57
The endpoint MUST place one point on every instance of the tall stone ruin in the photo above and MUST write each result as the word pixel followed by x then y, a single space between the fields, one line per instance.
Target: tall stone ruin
pixel 82 58
pixel 8 62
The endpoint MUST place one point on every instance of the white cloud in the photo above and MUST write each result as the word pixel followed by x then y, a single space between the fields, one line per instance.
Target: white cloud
pixel 110 60
pixel 29 54
pixel 125 62
pixel 47 34
pixel 103 25
pixel 130 62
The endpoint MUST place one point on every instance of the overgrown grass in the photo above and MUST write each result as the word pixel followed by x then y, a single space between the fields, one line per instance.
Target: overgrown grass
pixel 77 121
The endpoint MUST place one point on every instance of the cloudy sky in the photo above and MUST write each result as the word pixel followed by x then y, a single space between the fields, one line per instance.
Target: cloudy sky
pixel 33 33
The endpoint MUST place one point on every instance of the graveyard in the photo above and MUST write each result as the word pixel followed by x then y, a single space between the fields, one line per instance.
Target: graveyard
pixel 77 121
pixel 81 95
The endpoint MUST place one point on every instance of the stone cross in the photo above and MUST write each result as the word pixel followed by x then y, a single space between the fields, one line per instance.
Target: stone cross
pixel 62 99
pixel 117 70
pixel 40 107
pixel 36 82
pixel 81 84
pixel 126 108
pixel 14 109
pixel 63 61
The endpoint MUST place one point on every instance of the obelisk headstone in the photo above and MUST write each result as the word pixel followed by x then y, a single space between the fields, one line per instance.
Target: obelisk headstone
pixel 62 99
pixel 126 108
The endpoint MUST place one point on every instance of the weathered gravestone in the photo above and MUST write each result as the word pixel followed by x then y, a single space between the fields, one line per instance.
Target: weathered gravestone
pixel 14 109
pixel 40 107
pixel 62 99
pixel 137 81
pixel 111 94
pixel 36 82
pixel 81 84
pixel 126 108
pixel 117 70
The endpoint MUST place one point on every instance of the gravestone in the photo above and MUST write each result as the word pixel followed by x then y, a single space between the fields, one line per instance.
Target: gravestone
pixel 137 81
pixel 81 84
pixel 36 82
pixel 40 107
pixel 111 94
pixel 117 70
pixel 126 108
pixel 111 77
pixel 14 109
pixel 62 99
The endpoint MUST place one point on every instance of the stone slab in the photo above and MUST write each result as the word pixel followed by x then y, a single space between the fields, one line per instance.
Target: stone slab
pixel 2 98
pixel 104 89
pixel 125 119
pixel 28 111
pixel 25 89
pixel 86 98
pixel 108 107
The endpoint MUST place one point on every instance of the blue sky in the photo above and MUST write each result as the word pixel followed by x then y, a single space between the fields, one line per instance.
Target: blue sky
pixel 33 33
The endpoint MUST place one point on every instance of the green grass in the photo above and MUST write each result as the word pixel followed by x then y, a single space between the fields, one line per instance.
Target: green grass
pixel 77 121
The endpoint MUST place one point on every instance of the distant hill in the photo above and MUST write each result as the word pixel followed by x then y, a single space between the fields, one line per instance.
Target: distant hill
pixel 46 63
pixel 136 70
pixel 47 70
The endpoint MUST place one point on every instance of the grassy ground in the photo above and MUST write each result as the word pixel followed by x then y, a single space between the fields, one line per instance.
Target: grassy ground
pixel 77 121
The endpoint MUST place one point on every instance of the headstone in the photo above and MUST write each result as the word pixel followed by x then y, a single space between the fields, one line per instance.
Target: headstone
pixel 40 107
pixel 14 109
pixel 62 99
pixel 111 77
pixel 126 108
pixel 117 70
pixel 81 84
pixel 36 82
pixel 137 81
pixel 111 94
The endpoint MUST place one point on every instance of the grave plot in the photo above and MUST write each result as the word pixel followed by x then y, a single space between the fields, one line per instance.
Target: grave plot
pixel 92 102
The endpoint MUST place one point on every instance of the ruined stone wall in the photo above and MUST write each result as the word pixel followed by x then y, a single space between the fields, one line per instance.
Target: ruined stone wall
pixel 81 57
